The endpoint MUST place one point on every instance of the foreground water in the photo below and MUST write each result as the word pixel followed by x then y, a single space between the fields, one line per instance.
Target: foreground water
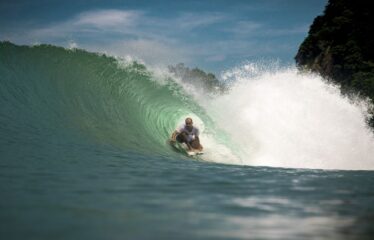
pixel 88 194
pixel 83 155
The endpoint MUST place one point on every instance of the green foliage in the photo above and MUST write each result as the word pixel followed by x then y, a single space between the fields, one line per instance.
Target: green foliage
pixel 340 46
pixel 365 82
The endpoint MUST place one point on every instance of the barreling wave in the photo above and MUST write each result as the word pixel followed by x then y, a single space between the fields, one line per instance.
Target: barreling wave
pixel 50 92
pixel 54 99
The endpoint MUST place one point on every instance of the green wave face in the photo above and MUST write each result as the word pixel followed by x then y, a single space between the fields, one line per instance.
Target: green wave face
pixel 56 90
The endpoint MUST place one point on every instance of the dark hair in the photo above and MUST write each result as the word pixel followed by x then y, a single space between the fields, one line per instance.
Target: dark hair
pixel 188 120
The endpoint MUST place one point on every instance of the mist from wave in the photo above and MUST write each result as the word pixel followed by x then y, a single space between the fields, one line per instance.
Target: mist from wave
pixel 279 117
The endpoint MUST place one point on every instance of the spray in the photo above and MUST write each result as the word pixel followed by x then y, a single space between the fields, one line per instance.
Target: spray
pixel 281 118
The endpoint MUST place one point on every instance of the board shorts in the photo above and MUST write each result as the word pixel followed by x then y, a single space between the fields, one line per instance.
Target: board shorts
pixel 181 138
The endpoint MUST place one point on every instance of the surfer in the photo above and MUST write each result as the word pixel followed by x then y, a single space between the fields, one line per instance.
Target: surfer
pixel 188 134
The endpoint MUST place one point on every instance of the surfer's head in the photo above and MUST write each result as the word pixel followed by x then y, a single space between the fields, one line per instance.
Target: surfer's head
pixel 189 123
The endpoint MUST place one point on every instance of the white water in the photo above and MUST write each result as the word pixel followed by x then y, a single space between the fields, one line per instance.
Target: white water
pixel 281 118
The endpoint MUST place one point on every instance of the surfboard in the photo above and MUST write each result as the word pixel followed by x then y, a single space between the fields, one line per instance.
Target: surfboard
pixel 182 147
pixel 194 152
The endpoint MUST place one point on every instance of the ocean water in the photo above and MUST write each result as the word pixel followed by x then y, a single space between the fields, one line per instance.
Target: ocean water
pixel 83 153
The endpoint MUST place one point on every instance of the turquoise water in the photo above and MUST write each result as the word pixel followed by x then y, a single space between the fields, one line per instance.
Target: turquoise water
pixel 83 156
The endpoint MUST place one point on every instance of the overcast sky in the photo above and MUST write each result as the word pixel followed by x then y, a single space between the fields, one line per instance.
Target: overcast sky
pixel 214 35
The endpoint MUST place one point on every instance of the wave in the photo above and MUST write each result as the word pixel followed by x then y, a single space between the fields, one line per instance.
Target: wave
pixel 53 96
pixel 100 98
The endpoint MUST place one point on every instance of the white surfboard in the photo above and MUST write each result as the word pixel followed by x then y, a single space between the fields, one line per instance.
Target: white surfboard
pixel 183 148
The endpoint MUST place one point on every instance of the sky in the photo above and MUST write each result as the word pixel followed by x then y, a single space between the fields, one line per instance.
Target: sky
pixel 214 35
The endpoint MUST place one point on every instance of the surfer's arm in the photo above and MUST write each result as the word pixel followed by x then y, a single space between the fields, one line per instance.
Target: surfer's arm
pixel 174 136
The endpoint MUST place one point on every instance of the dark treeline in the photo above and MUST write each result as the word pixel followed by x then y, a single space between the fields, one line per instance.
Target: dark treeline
pixel 206 81
pixel 340 46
